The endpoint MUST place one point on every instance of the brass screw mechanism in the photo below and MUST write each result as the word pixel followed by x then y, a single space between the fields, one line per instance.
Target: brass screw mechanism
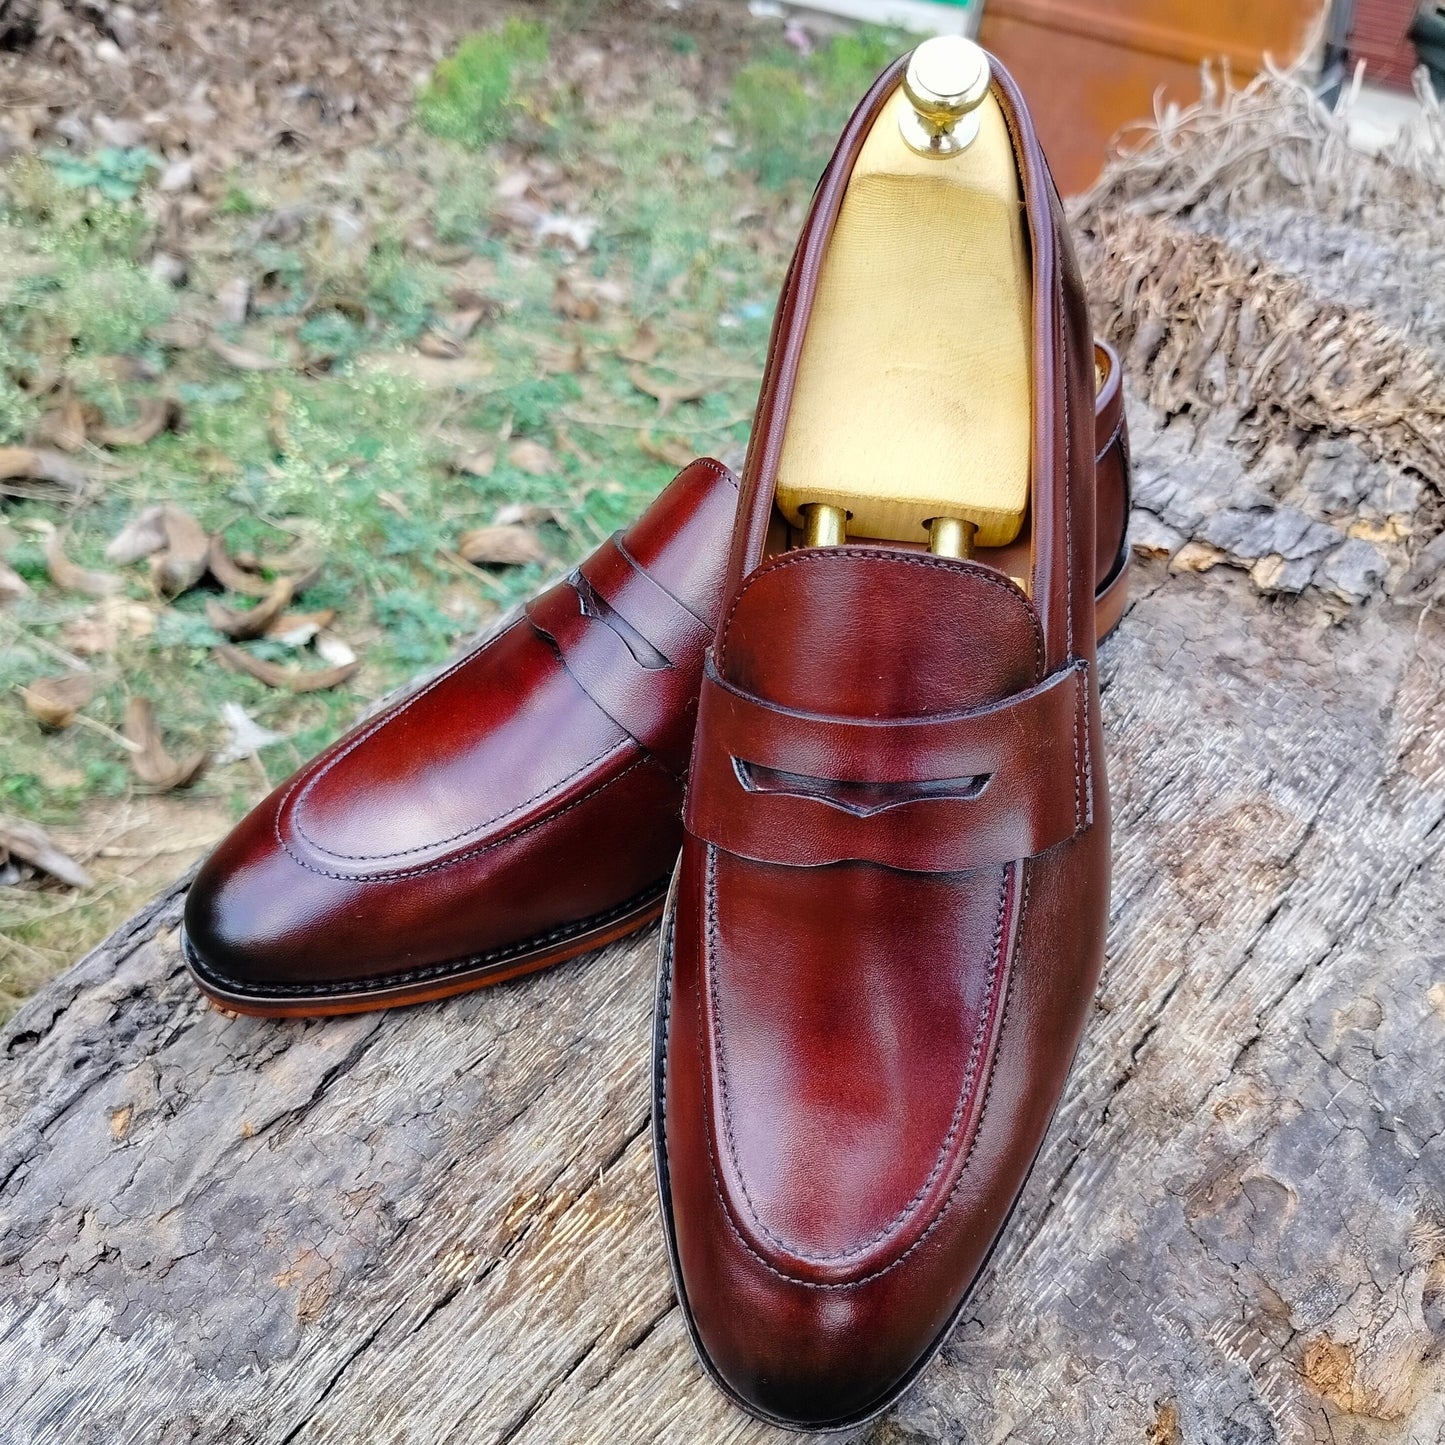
pixel 824 526
pixel 951 537
pixel 946 82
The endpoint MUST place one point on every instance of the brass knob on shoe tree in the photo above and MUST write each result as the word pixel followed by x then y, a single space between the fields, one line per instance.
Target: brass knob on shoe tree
pixel 946 81
pixel 951 537
pixel 824 526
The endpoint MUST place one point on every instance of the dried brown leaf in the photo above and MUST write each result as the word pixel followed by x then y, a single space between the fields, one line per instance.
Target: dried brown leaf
pixel 157 414
pixel 243 358
pixel 240 626
pixel 284 677
pixel 31 844
pixel 151 763
pixel 643 346
pixel 186 555
pixel 475 464
pixel 231 576
pixel 561 360
pixel 143 534
pixel 54 701
pixel 532 458
pixel 69 576
pixel 99 629
pixel 440 346
pixel 507 545
pixel 667 395
pixel 64 425
pixel 296 629
pixel 567 303
pixel 527 513
pixel 674 451
pixel 37 464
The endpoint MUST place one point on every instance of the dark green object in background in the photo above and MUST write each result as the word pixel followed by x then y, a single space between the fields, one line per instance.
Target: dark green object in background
pixel 1428 33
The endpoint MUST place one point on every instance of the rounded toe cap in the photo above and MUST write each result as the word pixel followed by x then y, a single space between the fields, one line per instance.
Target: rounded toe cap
pixel 254 921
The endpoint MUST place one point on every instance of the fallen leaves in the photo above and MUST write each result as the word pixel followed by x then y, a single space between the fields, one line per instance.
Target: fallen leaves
pixel 475 464
pixel 532 457
pixel 157 414
pixel 31 845
pixel 288 679
pixel 504 545
pixel 71 577
pixel 38 464
pixel 674 451
pixel 243 358
pixel 643 346
pixel 183 561
pixel 54 702
pixel 150 761
pixel 667 395
pixel 144 534
pixel 251 622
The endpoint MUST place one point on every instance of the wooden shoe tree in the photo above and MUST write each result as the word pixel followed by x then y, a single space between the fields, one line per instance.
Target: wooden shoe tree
pixel 911 420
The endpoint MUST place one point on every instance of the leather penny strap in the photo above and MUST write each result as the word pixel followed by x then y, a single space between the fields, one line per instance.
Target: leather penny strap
pixel 630 645
pixel 938 794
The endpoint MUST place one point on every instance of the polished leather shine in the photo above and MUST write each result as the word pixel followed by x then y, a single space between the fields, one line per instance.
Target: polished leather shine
pixel 526 805
pixel 888 917
pixel 519 808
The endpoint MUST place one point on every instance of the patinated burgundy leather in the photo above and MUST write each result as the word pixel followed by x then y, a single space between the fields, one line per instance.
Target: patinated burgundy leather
pixel 888 918
pixel 521 807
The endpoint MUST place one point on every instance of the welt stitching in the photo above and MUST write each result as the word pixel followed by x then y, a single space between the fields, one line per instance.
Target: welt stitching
pixel 433 970
pixel 460 857
pixel 864 554
pixel 888 1231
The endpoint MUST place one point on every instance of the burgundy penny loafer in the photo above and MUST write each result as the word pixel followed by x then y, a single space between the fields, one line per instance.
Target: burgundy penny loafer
pixel 520 808
pixel 468 833
pixel 888 917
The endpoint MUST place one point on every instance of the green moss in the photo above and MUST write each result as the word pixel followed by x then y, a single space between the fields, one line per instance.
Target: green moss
pixel 471 97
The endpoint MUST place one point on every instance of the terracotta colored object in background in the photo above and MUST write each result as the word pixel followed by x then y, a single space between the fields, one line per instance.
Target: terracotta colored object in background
pixel 1381 38
pixel 1090 67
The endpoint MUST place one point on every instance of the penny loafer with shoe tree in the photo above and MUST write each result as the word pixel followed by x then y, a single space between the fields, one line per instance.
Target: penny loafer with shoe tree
pixel 888 919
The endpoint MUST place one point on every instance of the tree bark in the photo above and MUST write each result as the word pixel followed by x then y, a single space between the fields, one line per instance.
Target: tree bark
pixel 439 1224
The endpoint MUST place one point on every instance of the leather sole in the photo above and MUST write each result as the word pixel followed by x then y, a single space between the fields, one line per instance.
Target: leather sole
pixel 660 1011
pixel 435 981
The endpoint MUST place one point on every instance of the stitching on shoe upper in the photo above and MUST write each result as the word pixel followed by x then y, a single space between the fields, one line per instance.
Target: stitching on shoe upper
pixel 965 1096
pixel 452 862
pixel 948 1203
pixel 827 555
pixel 327 762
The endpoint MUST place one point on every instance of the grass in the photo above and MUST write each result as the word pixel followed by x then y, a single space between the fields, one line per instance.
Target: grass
pixel 471 96
pixel 348 448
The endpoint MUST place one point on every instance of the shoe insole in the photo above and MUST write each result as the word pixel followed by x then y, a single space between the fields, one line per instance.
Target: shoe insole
pixel 913 398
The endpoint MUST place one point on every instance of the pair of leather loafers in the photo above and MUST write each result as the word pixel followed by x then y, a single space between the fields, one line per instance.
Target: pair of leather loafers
pixel 887 920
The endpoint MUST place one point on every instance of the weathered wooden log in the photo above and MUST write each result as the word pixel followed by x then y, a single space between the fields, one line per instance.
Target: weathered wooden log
pixel 439 1224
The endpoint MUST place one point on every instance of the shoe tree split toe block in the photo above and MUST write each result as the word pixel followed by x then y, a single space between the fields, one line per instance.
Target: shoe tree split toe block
pixel 911 421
